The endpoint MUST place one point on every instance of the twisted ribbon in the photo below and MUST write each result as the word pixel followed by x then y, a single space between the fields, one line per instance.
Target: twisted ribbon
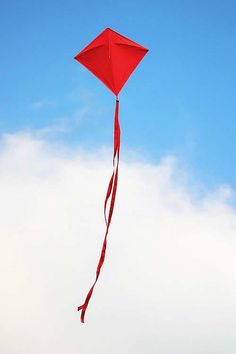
pixel 110 195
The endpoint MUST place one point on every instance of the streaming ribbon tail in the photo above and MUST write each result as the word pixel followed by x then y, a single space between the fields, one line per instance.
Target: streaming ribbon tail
pixel 110 196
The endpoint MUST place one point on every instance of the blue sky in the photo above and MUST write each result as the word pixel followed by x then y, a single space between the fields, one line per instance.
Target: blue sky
pixel 180 100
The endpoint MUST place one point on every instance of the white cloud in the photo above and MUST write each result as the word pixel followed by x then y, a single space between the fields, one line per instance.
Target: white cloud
pixel 168 284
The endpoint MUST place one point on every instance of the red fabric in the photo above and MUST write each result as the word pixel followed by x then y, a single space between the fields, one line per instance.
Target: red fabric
pixel 111 195
pixel 112 58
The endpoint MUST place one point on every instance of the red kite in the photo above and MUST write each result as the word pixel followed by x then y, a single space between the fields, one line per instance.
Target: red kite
pixel 112 58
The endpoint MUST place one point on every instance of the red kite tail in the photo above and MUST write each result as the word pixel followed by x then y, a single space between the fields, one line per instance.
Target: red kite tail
pixel 110 196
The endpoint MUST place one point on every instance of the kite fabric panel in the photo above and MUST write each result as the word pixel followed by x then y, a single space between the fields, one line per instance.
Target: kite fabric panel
pixel 112 58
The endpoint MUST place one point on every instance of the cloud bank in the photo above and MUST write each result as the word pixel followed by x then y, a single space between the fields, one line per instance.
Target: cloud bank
pixel 168 285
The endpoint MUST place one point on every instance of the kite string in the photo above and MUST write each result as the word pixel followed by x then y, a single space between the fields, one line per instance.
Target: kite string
pixel 111 194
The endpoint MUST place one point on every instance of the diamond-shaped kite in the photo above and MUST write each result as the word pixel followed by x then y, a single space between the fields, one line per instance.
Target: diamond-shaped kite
pixel 112 58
